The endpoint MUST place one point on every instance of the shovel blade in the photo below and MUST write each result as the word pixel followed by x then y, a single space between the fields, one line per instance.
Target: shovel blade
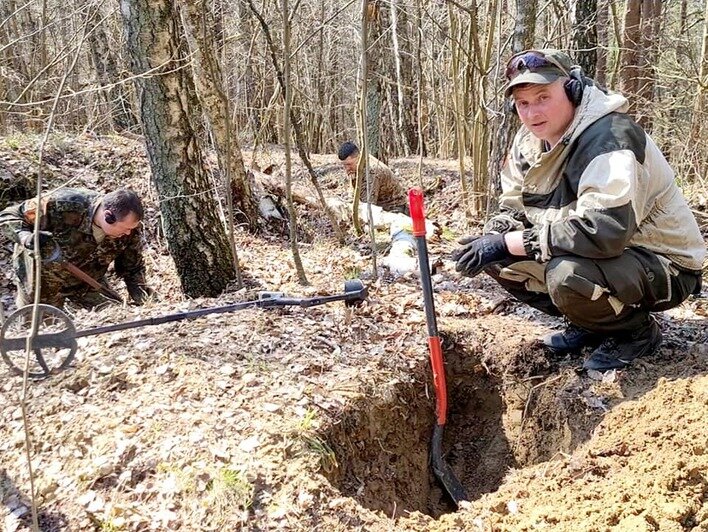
pixel 442 470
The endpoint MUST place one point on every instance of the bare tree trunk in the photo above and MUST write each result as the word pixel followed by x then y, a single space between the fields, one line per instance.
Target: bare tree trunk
pixel 209 85
pixel 650 31
pixel 104 63
pixel 419 89
pixel 363 166
pixel 585 35
pixel 524 30
pixel 245 39
pixel 524 26
pixel 318 123
pixel 457 100
pixel 615 77
pixel 195 235
pixel 399 77
pixel 407 38
pixel 700 113
pixel 602 42
pixel 375 71
pixel 683 22
pixel 631 43
pixel 480 147
pixel 288 162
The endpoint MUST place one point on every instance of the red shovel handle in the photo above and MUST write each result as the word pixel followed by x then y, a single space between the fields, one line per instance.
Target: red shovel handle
pixel 436 362
pixel 415 204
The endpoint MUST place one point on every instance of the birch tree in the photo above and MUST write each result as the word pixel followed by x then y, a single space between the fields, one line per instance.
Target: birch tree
pixel 195 234
pixel 585 35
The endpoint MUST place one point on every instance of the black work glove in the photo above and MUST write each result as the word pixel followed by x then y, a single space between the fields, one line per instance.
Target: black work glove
pixel 48 248
pixel 480 252
pixel 45 238
pixel 139 293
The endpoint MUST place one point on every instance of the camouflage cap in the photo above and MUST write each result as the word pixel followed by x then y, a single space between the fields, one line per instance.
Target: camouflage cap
pixel 539 67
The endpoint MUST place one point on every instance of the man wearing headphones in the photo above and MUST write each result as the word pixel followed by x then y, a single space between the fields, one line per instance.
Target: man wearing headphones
pixel 83 228
pixel 592 225
pixel 386 191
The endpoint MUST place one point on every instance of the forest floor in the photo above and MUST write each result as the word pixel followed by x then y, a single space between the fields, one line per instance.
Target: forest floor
pixel 321 418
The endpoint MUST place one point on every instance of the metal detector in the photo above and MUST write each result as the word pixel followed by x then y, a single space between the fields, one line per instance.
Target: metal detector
pixel 55 345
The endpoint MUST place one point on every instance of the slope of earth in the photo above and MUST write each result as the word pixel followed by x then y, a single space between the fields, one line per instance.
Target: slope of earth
pixel 320 418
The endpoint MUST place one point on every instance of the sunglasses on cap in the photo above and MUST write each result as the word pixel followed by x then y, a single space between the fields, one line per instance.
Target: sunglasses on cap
pixel 531 61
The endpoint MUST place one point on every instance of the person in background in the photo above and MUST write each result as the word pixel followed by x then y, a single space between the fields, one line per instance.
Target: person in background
pixel 386 191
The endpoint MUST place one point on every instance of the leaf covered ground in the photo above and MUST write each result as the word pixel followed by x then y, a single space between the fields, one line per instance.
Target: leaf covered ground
pixel 320 418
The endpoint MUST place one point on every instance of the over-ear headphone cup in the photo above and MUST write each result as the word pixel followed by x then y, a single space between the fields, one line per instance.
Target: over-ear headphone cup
pixel 574 87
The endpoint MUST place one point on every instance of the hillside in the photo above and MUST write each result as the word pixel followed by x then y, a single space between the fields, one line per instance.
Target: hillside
pixel 320 419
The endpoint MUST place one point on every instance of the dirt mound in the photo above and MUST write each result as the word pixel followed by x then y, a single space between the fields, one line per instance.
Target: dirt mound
pixel 321 418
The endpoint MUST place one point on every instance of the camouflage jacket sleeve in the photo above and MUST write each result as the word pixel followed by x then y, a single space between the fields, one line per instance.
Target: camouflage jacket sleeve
pixel 130 266
pixel 374 186
pixel 16 220
pixel 376 178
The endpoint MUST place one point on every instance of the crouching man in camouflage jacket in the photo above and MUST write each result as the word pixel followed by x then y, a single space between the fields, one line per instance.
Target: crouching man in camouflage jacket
pixel 385 189
pixel 593 225
pixel 85 229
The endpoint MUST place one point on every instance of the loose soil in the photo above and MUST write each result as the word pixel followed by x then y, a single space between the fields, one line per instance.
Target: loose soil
pixel 321 418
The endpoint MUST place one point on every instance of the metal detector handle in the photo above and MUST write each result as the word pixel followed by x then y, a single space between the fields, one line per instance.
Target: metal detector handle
pixel 265 300
pixel 169 318
pixel 349 297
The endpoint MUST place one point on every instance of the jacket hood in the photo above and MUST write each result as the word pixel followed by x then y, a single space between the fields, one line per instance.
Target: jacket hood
pixel 594 105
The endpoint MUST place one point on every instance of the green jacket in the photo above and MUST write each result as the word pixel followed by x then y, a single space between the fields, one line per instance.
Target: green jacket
pixel 68 214
pixel 603 188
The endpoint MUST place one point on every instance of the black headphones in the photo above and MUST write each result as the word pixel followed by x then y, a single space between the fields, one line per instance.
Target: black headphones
pixel 110 218
pixel 573 87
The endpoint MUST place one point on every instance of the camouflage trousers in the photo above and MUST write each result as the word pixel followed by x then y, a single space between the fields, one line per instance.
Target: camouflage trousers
pixel 604 296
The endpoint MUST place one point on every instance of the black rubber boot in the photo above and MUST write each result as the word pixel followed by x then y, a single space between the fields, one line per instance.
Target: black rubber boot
pixel 573 338
pixel 618 351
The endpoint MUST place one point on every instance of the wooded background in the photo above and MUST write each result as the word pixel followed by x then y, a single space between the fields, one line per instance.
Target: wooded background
pixel 192 75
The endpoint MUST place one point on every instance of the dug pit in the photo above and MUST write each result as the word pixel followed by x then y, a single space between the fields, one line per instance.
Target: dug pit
pixel 382 445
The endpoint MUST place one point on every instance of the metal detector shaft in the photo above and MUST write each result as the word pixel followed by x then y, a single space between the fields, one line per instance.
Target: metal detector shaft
pixel 266 300
pixel 58 339
pixel 441 469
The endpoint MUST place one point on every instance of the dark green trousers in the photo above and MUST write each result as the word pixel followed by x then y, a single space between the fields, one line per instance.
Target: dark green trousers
pixel 609 295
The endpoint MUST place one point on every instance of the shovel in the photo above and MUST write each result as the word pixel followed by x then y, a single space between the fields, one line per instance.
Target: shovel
pixel 93 283
pixel 441 469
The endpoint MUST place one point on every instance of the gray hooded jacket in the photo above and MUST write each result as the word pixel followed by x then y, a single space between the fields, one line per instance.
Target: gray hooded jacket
pixel 604 187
